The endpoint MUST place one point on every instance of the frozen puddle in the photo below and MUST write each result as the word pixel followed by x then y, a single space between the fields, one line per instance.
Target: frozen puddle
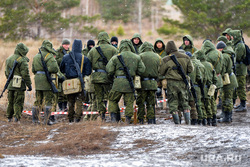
pixel 160 145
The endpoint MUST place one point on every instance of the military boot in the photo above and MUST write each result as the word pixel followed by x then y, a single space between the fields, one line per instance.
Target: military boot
pixel 214 121
pixel 113 117
pixel 47 121
pixel 9 119
pixel 65 106
pixel 60 105
pixel 199 121
pixel 187 116
pixel 209 121
pixel 242 107
pixel 128 119
pixel 150 121
pixel 118 116
pixel 230 115
pixel 176 118
pixel 225 119
pixel 219 106
pixel 204 122
pixel 141 121
pixel 16 119
pixel 35 114
pixel 103 116
pixel 193 121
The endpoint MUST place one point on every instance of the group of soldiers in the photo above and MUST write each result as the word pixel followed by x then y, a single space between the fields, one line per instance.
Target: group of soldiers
pixel 134 71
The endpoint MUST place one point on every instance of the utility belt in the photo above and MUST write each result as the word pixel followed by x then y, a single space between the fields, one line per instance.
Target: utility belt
pixel 148 79
pixel 40 72
pixel 100 70
pixel 137 81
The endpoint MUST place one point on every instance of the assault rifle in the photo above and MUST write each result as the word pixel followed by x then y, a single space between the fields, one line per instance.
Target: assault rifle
pixel 49 79
pixel 9 77
pixel 104 59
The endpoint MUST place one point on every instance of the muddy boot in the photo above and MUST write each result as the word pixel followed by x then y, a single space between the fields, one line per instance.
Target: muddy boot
pixel 193 121
pixel 47 115
pixel 103 116
pixel 60 105
pixel 220 116
pixel 176 118
pixel 219 106
pixel 242 107
pixel 65 106
pixel 187 116
pixel 225 119
pixel 209 121
pixel 141 121
pixel 35 114
pixel 16 119
pixel 128 120
pixel 214 121
pixel 230 115
pixel 199 121
pixel 118 116
pixel 154 121
pixel 150 121
pixel 113 117
pixel 204 122
pixel 9 119
pixel 52 118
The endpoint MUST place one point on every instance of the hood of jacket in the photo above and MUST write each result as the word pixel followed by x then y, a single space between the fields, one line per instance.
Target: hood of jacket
pixel 77 46
pixel 200 55
pixel 226 31
pixel 208 46
pixel 146 47
pixel 126 45
pixel 237 37
pixel 163 45
pixel 48 46
pixel 171 47
pixel 137 35
pixel 103 37
pixel 21 49
pixel 189 38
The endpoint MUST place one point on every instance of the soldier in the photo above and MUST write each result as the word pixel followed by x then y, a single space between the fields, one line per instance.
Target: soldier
pixel 63 50
pixel 137 42
pixel 226 33
pixel 197 77
pixel 102 83
pixel 68 68
pixel 90 45
pixel 44 93
pixel 149 84
pixel 89 87
pixel 121 84
pixel 241 69
pixel 18 83
pixel 228 87
pixel 114 41
pixel 177 89
pixel 188 44
pixel 215 57
pixel 159 47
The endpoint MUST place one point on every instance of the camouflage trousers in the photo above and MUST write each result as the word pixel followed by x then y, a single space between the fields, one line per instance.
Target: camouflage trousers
pixel 44 97
pixel 92 107
pixel 207 112
pixel 15 103
pixel 241 90
pixel 147 96
pixel 61 97
pixel 177 96
pixel 101 90
pixel 227 100
pixel 75 105
pixel 114 98
pixel 213 102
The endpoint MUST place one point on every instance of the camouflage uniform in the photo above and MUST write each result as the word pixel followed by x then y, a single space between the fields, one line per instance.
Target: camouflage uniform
pixel 146 94
pixel 190 48
pixel 210 79
pixel 241 69
pixel 62 99
pixel 16 95
pixel 44 93
pixel 136 47
pixel 121 85
pixel 215 57
pixel 177 90
pixel 102 83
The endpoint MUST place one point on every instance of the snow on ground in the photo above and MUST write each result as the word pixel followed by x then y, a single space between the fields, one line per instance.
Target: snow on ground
pixel 160 145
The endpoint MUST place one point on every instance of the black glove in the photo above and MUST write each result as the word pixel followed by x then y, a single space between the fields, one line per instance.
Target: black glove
pixel 30 88
pixel 61 79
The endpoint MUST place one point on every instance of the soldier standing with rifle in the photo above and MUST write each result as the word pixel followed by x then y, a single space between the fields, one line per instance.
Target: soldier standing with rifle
pixel 123 67
pixel 176 67
pixel 17 74
pixel 75 65
pixel 44 64
pixel 99 57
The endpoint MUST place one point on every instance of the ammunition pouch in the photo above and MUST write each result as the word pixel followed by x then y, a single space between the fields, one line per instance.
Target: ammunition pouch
pixel 17 81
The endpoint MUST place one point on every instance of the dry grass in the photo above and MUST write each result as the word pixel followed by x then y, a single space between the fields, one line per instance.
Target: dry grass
pixel 143 143
pixel 60 139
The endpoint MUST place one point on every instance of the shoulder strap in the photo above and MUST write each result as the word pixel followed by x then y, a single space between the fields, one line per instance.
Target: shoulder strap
pixel 19 58
pixel 161 52
pixel 46 56
pixel 82 63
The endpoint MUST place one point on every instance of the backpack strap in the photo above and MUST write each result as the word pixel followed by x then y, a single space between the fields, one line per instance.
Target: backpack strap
pixel 82 63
